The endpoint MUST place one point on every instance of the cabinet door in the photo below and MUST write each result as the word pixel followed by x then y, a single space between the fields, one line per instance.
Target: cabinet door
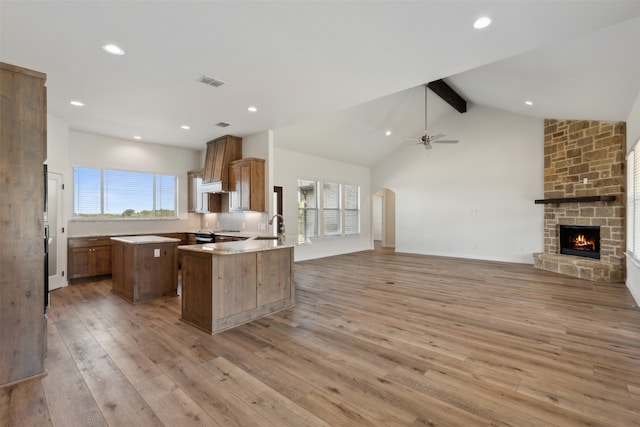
pixel 274 276
pixel 236 284
pixel 192 193
pixel 79 262
pixel 101 260
pixel 240 178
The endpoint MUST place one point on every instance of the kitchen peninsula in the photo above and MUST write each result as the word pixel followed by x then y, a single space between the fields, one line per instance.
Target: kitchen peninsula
pixel 227 284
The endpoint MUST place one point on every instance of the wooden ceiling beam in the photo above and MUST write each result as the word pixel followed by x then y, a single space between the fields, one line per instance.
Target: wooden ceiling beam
pixel 444 91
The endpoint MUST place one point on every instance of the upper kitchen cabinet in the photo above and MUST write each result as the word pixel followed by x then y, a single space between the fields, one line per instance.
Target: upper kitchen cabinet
pixel 247 185
pixel 199 200
pixel 221 152
pixel 23 151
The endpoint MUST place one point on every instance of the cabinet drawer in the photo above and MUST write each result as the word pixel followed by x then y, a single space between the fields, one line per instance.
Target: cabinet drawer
pixel 89 242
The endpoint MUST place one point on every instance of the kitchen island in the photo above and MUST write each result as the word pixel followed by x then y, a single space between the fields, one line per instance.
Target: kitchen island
pixel 145 267
pixel 227 284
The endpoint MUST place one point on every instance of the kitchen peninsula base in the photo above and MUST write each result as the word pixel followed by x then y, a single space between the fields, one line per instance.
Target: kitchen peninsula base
pixel 228 284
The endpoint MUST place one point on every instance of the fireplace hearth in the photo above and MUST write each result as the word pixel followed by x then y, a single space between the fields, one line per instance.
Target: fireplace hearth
pixel 580 240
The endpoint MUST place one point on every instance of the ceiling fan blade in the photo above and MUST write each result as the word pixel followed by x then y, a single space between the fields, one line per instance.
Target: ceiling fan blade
pixel 447 141
pixel 438 136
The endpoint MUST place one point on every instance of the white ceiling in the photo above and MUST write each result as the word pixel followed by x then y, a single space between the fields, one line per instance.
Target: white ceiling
pixel 328 77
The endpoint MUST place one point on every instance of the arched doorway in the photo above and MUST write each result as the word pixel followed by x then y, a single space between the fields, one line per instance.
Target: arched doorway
pixel 384 219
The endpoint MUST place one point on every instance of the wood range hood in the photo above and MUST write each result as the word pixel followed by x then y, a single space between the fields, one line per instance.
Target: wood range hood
pixel 220 153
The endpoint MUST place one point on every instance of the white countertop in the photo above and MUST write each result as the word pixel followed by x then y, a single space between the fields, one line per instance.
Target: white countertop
pixel 239 247
pixel 139 240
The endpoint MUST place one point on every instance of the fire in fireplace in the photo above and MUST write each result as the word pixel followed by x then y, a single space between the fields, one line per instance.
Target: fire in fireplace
pixel 580 240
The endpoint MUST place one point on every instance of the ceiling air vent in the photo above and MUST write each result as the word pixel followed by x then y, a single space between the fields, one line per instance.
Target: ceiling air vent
pixel 210 81
pixel 222 124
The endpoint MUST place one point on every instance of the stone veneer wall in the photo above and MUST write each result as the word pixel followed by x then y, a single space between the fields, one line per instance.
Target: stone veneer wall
pixel 575 150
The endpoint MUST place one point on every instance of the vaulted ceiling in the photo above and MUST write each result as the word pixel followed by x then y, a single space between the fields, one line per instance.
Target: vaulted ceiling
pixel 328 77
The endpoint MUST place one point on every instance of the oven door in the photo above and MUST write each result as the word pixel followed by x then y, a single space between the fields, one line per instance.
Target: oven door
pixel 205 238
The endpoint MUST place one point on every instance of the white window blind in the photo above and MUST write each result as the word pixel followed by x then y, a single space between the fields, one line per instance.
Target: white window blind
pixel 331 209
pixel 636 204
pixel 87 192
pixel 631 189
pixel 113 194
pixel 351 209
pixel 307 210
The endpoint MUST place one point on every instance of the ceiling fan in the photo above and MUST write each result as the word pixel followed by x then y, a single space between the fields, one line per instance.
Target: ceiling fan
pixel 427 139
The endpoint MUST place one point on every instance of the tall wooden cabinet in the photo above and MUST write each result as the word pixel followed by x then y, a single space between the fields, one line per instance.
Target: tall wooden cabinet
pixel 22 154
pixel 246 177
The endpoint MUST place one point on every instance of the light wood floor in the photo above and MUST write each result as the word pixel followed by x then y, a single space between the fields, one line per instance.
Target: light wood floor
pixel 375 339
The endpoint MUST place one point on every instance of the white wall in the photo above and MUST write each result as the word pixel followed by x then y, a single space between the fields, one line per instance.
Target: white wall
pixel 633 135
pixel 57 149
pixel 91 150
pixel 474 199
pixel 288 166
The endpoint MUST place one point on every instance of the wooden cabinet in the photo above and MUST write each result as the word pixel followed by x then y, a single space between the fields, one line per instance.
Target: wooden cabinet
pixel 223 291
pixel 198 200
pixel 89 257
pixel 220 152
pixel 145 267
pixel 247 185
pixel 23 151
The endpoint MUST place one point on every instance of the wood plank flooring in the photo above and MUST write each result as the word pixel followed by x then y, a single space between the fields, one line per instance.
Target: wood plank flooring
pixel 376 338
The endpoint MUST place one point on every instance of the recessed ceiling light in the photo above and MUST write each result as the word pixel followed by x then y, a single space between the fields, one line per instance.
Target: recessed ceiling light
pixel 388 133
pixel 528 102
pixel 77 103
pixel 252 109
pixel 185 127
pixel 137 137
pixel 113 49
pixel 482 22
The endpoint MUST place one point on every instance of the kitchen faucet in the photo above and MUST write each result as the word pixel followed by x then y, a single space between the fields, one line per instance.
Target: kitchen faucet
pixel 281 232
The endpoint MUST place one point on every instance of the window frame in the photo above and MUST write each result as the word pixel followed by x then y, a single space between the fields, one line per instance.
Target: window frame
pixel 633 204
pixel 343 211
pixel 337 210
pixel 102 216
pixel 304 238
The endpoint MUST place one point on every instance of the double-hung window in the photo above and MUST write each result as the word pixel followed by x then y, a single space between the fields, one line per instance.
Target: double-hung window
pixel 307 210
pixel 327 209
pixel 633 202
pixel 351 211
pixel 115 194
pixel 331 212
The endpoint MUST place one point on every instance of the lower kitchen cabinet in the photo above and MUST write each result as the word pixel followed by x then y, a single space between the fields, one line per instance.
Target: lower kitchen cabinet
pixel 89 257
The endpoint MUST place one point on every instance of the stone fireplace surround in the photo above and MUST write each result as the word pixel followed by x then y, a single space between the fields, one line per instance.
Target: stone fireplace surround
pixel 582 159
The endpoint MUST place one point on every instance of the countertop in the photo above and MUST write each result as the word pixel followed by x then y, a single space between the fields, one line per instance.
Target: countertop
pixel 139 240
pixel 239 247
pixel 240 234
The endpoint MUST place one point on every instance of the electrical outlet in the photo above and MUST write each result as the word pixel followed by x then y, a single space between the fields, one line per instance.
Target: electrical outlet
pixel 156 253
pixel 243 225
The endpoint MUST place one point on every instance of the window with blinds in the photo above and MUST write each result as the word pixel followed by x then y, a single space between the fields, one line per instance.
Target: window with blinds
pixel 327 209
pixel 633 202
pixel 307 210
pixel 331 212
pixel 631 189
pixel 113 194
pixel 351 209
